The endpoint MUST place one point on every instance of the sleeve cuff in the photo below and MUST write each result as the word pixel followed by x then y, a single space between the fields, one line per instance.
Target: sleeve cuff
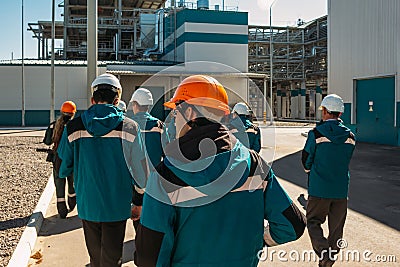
pixel 137 198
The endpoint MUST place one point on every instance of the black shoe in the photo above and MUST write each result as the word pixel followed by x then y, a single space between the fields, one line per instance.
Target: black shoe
pixel 71 203
pixel 62 209
pixel 326 263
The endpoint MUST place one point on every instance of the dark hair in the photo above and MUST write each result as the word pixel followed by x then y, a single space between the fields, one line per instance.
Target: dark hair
pixel 104 93
pixel 141 108
pixel 59 128
pixel 335 114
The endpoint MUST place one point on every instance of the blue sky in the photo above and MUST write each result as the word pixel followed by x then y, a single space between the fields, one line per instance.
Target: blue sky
pixel 284 12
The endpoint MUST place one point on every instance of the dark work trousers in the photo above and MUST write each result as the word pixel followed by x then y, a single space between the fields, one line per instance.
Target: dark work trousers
pixel 104 242
pixel 60 182
pixel 317 211
pixel 60 186
pixel 135 224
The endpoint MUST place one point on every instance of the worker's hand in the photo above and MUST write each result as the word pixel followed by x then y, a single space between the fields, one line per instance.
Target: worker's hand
pixel 135 212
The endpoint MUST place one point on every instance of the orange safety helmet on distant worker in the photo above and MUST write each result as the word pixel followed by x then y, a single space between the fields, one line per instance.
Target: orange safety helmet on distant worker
pixel 68 107
pixel 201 90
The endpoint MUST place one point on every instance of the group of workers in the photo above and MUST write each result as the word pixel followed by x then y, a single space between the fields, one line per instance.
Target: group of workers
pixel 202 196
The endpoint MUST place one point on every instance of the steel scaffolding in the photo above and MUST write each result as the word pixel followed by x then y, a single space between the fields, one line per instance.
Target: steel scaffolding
pixel 299 56
pixel 126 28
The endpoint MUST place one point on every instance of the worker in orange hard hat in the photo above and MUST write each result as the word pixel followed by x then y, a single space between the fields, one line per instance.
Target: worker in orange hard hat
pixel 68 107
pixel 200 90
pixel 203 98
pixel 52 136
pixel 207 180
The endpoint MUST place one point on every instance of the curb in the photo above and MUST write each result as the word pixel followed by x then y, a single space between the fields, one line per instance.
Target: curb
pixel 23 251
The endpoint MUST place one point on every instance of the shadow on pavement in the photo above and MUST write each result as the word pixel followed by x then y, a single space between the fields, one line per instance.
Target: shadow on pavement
pixel 303 201
pixel 54 225
pixel 128 250
pixel 14 223
pixel 127 253
pixel 374 183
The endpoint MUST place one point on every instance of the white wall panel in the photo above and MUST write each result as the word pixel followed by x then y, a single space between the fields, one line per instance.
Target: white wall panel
pixel 216 28
pixel 234 55
pixel 180 53
pixel 10 88
pixel 70 84
pixel 237 88
pixel 363 41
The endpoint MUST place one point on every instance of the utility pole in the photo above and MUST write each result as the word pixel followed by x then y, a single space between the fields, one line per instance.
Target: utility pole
pixel 91 46
pixel 271 54
pixel 53 33
pixel 23 71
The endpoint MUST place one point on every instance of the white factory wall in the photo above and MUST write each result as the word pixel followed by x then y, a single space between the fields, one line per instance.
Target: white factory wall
pixel 363 42
pixel 70 84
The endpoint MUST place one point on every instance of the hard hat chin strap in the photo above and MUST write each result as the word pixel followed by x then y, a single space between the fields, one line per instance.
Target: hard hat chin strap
pixel 182 107
pixel 196 122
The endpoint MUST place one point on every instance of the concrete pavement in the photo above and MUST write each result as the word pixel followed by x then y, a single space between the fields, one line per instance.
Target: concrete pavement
pixel 371 230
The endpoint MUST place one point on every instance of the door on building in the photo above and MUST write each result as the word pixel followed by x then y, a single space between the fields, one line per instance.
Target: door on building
pixel 375 100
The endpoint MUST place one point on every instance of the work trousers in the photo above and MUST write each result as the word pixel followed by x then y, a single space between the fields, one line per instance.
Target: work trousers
pixel 60 182
pixel 104 242
pixel 60 186
pixel 317 211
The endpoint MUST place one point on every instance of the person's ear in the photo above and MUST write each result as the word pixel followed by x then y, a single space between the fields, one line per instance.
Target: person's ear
pixel 115 102
pixel 92 100
pixel 134 107
pixel 190 113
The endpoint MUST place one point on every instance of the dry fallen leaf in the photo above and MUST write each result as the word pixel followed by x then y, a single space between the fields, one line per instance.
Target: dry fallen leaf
pixel 37 255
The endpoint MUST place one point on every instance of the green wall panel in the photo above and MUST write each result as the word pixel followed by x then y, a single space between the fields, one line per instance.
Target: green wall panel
pixel 213 38
pixel 10 118
pixel 32 117
pixel 37 117
pixel 346 116
pixel 398 115
pixel 398 123
pixel 211 16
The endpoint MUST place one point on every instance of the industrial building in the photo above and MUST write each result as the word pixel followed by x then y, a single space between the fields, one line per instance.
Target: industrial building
pixel 364 64
pixel 137 39
pixel 198 34
pixel 299 54
pixel 354 52
pixel 299 65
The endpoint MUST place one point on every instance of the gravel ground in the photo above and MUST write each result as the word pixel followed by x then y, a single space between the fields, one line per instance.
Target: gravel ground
pixel 23 176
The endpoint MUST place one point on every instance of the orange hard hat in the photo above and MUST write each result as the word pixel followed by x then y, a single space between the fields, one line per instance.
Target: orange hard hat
pixel 201 90
pixel 68 107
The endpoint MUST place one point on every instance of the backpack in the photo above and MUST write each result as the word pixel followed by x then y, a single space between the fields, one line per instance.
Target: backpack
pixel 48 136
pixel 48 140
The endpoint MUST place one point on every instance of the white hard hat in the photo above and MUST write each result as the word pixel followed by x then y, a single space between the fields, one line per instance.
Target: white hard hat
pixel 122 105
pixel 143 97
pixel 241 108
pixel 109 79
pixel 333 103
